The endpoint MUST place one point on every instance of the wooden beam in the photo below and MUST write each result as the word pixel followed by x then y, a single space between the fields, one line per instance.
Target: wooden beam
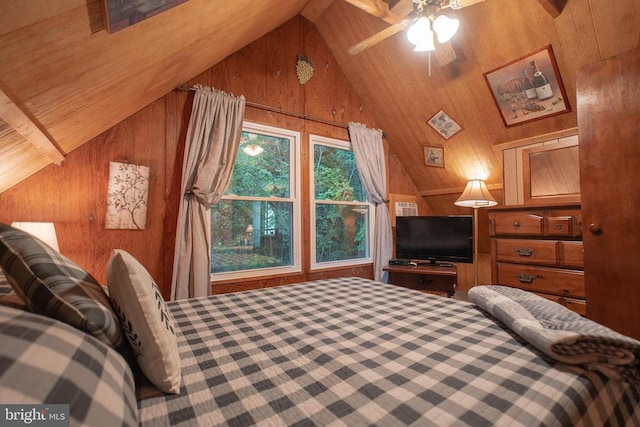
pixel 403 8
pixel 315 8
pixel 534 139
pixel 553 7
pixel 20 121
pixel 377 8
pixel 458 190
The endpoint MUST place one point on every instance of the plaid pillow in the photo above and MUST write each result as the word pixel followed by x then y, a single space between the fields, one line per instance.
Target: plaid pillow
pixel 56 287
pixel 47 362
pixel 8 297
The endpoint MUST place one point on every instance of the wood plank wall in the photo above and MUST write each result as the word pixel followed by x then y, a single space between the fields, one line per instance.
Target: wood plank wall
pixel 73 196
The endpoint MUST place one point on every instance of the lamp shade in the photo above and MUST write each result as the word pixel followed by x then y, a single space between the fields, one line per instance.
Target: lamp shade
pixel 420 32
pixel 44 231
pixel 445 28
pixel 476 195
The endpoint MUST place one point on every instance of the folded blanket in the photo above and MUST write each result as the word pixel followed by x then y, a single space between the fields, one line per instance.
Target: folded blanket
pixel 561 333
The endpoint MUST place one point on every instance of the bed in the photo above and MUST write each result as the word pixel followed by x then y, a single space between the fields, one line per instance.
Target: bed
pixel 348 351
pixel 355 352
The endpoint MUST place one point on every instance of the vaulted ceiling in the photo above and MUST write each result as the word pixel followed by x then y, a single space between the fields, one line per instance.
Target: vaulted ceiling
pixel 64 79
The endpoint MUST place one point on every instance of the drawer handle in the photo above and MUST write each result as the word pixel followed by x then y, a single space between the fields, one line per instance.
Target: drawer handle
pixel 516 225
pixel 526 278
pixel 524 252
pixel 558 227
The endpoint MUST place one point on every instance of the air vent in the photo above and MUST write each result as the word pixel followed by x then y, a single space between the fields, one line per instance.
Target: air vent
pixel 406 209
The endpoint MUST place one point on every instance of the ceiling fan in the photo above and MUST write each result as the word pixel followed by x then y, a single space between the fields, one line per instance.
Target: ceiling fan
pixel 422 22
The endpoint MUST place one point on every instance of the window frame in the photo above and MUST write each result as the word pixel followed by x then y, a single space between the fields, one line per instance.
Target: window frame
pixel 294 198
pixel 314 265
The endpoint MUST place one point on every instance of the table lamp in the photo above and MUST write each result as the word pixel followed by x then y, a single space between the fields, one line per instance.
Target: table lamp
pixel 44 231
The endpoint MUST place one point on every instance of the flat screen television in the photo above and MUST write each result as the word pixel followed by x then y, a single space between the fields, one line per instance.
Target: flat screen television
pixel 435 238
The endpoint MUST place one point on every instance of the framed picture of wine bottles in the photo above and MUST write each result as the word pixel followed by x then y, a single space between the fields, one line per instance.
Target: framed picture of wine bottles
pixel 528 88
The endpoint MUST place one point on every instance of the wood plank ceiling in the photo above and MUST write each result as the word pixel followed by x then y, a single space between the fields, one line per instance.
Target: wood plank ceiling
pixel 64 79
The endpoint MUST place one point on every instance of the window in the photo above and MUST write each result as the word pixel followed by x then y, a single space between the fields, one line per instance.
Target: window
pixel 255 227
pixel 341 217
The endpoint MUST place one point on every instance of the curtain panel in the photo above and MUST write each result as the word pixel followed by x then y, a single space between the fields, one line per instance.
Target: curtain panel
pixel 212 141
pixel 370 161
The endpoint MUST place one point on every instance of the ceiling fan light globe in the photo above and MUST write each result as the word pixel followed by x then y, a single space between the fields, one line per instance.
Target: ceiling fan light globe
pixel 424 47
pixel 420 31
pixel 445 28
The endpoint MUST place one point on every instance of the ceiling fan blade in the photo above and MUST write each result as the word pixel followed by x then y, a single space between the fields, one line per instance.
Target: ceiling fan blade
pixel 378 37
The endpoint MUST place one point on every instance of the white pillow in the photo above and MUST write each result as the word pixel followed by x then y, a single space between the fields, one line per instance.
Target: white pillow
pixel 145 320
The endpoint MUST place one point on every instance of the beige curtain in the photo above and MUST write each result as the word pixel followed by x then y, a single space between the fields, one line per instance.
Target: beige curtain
pixel 370 161
pixel 212 142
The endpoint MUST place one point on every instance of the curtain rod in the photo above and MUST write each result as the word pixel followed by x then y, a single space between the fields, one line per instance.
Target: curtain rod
pixel 185 88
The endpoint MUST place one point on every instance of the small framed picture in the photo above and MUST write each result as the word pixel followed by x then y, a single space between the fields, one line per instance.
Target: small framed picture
pixel 444 125
pixel 434 156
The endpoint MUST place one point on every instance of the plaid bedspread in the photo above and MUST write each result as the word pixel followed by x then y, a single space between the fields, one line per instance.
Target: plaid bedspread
pixel 561 333
pixel 353 352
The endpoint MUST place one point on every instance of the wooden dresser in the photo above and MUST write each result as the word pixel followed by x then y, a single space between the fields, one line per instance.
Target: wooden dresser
pixel 539 249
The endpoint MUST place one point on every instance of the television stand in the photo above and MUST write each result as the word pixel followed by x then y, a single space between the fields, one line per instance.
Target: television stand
pixel 438 279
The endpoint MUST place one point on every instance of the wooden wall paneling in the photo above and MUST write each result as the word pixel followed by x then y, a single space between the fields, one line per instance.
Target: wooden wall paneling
pixel 512 160
pixel 617 28
pixel 576 51
pixel 74 196
pixel 400 182
pixel 510 176
pixel 520 175
pixel 178 111
pixel 14 18
pixel 138 140
pixel 342 105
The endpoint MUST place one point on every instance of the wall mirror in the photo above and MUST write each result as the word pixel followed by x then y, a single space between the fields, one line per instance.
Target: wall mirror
pixel 551 173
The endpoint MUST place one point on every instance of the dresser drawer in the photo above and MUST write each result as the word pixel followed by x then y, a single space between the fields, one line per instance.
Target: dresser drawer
pixel 527 251
pixel 563 225
pixel 541 279
pixel 541 252
pixel 577 305
pixel 517 223
pixel 572 254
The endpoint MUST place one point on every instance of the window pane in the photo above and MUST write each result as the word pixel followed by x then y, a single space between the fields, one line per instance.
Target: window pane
pixel 265 173
pixel 341 232
pixel 250 234
pixel 335 175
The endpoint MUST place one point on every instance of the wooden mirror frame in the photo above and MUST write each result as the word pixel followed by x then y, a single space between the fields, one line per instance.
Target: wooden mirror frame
pixel 530 199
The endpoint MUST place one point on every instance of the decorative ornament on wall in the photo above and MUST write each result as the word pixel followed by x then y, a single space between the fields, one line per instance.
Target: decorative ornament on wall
pixel 127 197
pixel 304 69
